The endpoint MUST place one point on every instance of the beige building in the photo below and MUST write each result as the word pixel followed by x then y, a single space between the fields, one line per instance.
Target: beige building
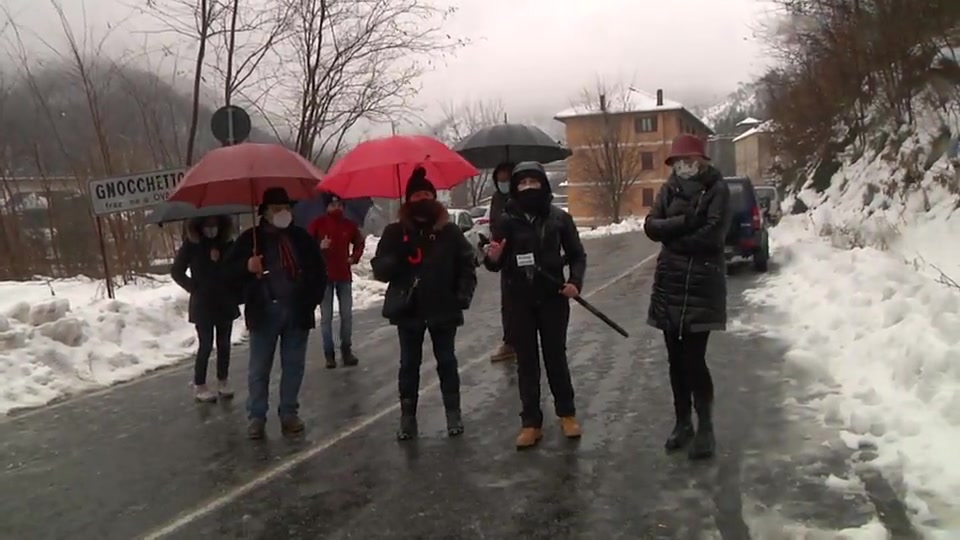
pixel 644 127
pixel 754 150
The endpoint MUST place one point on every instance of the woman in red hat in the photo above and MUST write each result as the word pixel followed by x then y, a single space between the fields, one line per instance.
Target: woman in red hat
pixel 690 218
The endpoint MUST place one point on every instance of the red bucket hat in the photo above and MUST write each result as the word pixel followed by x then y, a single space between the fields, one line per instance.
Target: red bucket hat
pixel 686 146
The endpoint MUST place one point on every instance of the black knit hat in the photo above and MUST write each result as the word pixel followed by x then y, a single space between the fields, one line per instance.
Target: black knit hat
pixel 418 182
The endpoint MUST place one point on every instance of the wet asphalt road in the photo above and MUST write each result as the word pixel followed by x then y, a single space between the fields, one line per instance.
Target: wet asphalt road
pixel 143 460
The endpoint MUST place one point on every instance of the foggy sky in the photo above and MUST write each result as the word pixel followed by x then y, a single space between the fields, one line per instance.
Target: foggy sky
pixel 537 56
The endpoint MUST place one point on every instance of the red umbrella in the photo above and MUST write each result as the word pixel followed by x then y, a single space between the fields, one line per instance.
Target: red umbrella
pixel 382 167
pixel 239 174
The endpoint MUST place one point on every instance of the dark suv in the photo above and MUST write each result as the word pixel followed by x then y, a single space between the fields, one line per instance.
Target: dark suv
pixel 747 238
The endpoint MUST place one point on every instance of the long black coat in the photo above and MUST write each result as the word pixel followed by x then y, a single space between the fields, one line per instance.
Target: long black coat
pixel 211 299
pixel 690 218
pixel 447 271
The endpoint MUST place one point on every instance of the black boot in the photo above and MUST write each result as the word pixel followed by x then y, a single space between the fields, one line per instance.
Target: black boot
pixel 349 359
pixel 682 433
pixel 331 360
pixel 408 420
pixel 704 445
pixel 451 404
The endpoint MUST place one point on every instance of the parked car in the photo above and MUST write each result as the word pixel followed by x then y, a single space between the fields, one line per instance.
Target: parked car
pixel 466 223
pixel 748 237
pixel 770 203
pixel 478 211
pixel 482 223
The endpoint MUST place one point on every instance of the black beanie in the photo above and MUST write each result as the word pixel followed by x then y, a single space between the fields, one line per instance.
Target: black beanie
pixel 418 182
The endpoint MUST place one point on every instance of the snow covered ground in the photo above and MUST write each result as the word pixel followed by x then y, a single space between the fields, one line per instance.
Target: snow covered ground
pixel 866 287
pixel 62 337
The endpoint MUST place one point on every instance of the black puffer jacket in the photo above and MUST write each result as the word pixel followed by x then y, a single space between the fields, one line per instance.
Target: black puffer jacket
pixel 211 299
pixel 690 218
pixel 440 258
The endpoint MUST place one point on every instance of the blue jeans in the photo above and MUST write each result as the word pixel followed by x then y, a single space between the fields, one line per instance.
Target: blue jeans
pixel 344 291
pixel 293 359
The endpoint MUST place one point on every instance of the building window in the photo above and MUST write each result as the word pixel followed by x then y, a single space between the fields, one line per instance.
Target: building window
pixel 647 195
pixel 645 124
pixel 646 161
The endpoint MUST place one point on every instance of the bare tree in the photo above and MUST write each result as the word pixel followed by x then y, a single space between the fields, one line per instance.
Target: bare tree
pixel 610 159
pixel 356 61
pixel 461 120
pixel 233 39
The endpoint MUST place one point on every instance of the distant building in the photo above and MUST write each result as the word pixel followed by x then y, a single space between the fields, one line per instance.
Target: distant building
pixel 754 151
pixel 723 154
pixel 642 121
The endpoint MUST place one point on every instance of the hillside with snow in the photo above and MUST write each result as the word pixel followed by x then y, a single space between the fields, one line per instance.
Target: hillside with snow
pixel 742 103
pixel 869 289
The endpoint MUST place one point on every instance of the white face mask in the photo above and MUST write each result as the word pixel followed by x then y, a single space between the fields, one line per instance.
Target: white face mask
pixel 282 219
pixel 686 169
pixel 210 232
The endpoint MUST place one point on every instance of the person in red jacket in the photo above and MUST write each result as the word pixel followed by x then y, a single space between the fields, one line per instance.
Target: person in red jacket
pixel 342 245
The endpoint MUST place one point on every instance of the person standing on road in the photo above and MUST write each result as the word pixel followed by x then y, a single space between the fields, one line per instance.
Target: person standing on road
pixel 498 205
pixel 341 243
pixel 282 278
pixel 213 307
pixel 431 271
pixel 539 238
pixel 690 218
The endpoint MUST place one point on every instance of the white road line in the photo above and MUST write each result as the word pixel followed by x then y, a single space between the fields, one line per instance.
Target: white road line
pixel 281 468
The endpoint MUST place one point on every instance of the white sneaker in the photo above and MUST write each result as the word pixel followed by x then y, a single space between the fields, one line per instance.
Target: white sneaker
pixel 223 388
pixel 203 394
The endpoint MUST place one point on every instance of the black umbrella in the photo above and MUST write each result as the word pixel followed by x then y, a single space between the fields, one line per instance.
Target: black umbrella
pixel 168 212
pixel 492 145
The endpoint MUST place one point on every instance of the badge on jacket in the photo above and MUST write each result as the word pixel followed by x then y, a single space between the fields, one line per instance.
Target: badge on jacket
pixel 525 260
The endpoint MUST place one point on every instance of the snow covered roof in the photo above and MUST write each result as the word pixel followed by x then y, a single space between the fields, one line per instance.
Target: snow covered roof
pixel 634 101
pixel 764 127
pixel 749 121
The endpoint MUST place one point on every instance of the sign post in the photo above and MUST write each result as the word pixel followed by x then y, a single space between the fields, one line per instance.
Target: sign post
pixel 230 125
pixel 124 193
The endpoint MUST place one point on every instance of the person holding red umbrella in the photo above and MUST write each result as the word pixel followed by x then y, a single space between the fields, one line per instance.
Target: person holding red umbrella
pixel 282 276
pixel 431 271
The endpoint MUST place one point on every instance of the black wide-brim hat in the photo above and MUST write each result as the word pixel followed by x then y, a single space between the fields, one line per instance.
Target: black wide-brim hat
pixel 274 195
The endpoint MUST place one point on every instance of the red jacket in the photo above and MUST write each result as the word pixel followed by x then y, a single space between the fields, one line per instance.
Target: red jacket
pixel 343 234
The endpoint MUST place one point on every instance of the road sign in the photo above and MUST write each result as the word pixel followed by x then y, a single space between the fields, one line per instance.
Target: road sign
pixel 141 190
pixel 230 125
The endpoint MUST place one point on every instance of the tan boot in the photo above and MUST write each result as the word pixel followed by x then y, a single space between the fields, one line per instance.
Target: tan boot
pixel 570 427
pixel 504 354
pixel 528 437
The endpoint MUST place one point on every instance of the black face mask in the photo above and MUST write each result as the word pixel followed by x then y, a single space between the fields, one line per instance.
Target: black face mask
pixel 424 211
pixel 533 201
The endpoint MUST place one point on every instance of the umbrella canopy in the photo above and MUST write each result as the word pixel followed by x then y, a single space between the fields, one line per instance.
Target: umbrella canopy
pixel 493 145
pixel 382 167
pixel 179 211
pixel 239 174
pixel 353 209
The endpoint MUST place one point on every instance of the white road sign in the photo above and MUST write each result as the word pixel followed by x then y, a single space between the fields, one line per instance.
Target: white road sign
pixel 141 190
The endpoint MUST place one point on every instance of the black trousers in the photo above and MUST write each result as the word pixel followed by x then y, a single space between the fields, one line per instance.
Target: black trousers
pixel 689 375
pixel 411 357
pixel 548 321
pixel 505 307
pixel 206 335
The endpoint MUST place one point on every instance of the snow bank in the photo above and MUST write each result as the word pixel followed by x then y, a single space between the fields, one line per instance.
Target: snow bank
pixel 628 225
pixel 62 337
pixel 871 313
